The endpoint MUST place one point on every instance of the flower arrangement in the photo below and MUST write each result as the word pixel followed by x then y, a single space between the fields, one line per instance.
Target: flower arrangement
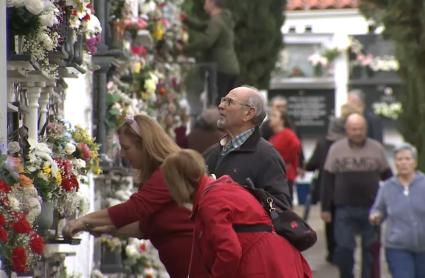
pixel 323 60
pixel 142 258
pixel 366 60
pixel 388 110
pixel 83 20
pixel 20 245
pixel 76 154
pixel 34 23
pixel 43 170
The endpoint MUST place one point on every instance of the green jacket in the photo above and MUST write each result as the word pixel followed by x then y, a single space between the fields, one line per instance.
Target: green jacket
pixel 215 39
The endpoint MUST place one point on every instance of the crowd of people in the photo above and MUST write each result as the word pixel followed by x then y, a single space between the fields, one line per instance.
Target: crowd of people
pixel 204 223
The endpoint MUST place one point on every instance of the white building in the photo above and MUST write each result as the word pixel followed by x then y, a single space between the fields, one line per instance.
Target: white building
pixel 315 27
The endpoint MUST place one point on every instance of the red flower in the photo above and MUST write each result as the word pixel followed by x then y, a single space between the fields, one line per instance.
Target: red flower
pixel 69 183
pixel 4 237
pixel 142 247
pixel 37 244
pixel 74 12
pixel 22 226
pixel 2 220
pixel 138 50
pixel 65 165
pixel 19 259
pixel 4 187
pixel 84 151
pixel 86 17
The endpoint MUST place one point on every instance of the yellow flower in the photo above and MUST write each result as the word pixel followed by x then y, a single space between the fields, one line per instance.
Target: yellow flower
pixel 58 178
pixel 158 31
pixel 47 170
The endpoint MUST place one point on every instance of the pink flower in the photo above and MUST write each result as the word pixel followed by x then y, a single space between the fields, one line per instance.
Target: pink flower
pixel 84 150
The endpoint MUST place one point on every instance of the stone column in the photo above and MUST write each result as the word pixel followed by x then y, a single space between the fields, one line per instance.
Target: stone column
pixel 44 101
pixel 31 110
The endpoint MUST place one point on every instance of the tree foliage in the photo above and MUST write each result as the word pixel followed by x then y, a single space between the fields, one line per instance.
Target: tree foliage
pixel 258 38
pixel 404 22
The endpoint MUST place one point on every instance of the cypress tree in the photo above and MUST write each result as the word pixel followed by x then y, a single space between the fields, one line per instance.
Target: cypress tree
pixel 404 23
pixel 258 38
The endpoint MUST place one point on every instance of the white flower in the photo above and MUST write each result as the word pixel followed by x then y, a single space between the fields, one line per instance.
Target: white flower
pixel 13 147
pixel 34 6
pixel 93 25
pixel 30 191
pixel 131 251
pixel 34 209
pixel 146 8
pixel 14 203
pixel 79 163
pixel 48 19
pixel 150 272
pixel 70 148
pixel 42 147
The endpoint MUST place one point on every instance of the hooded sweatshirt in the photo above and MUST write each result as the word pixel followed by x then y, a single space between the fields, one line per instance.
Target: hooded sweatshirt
pixel 403 212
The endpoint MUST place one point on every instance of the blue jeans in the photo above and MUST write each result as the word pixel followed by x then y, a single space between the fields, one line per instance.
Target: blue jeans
pixel 350 221
pixel 405 264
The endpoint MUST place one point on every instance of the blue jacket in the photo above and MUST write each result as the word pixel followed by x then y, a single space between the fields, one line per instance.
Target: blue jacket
pixel 404 213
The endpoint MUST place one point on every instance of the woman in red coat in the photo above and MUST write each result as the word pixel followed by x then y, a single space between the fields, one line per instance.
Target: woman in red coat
pixel 233 233
pixel 150 213
pixel 286 142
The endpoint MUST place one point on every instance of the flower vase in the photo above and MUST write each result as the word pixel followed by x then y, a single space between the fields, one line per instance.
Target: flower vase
pixel 19 41
pixel 318 70
pixel 118 30
pixel 46 217
pixel 111 260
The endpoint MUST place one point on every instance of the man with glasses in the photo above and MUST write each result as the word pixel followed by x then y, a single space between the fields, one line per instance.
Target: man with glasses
pixel 243 153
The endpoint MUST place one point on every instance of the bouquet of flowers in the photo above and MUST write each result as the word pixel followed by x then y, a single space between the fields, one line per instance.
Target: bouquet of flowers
pixel 82 19
pixel 43 170
pixel 76 155
pixel 20 245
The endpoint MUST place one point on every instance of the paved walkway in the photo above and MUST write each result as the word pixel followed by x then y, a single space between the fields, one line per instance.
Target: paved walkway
pixel 317 254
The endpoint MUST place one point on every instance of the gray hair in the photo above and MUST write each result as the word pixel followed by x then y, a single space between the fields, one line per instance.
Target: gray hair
pixel 258 102
pixel 407 147
pixel 358 93
pixel 278 98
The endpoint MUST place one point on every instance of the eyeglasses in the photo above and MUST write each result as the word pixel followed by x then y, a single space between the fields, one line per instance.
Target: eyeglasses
pixel 229 101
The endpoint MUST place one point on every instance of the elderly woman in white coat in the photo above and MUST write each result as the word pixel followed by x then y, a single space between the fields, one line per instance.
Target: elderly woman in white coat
pixel 401 204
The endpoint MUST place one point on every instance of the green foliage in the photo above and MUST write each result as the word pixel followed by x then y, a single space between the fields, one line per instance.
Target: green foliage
pixel 404 23
pixel 258 38
pixel 22 22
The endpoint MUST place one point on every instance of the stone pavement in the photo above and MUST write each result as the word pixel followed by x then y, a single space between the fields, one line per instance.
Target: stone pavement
pixel 317 254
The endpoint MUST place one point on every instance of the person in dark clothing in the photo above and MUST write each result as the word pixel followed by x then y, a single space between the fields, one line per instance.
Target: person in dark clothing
pixel 316 162
pixel 204 133
pixel 242 153
pixel 374 123
pixel 353 168
pixel 215 39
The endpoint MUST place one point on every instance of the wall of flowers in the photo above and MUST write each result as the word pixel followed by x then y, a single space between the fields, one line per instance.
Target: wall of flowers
pixel 48 159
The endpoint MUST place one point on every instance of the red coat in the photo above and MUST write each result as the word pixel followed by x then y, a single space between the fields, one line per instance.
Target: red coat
pixel 220 204
pixel 288 145
pixel 167 225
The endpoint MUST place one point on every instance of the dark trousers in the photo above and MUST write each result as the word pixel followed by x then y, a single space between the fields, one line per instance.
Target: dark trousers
pixel 350 221
pixel 330 238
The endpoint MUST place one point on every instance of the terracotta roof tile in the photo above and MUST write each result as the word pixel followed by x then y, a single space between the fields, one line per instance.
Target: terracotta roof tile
pixel 321 4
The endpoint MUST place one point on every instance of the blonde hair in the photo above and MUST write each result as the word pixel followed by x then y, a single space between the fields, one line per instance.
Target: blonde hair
pixel 154 143
pixel 183 171
pixel 348 109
